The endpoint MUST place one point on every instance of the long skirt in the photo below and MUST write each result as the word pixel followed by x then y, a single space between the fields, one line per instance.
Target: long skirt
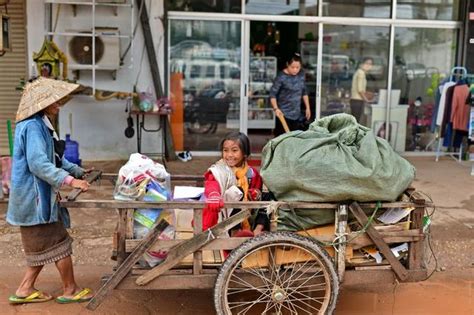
pixel 45 243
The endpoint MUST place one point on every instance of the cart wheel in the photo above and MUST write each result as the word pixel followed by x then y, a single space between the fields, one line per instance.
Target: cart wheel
pixel 277 273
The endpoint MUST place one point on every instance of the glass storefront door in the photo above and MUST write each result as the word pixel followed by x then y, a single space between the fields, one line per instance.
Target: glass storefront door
pixel 221 72
pixel 271 45
pixel 354 73
pixel 204 67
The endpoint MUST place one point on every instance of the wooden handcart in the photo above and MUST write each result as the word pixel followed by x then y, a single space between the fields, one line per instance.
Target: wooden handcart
pixel 273 273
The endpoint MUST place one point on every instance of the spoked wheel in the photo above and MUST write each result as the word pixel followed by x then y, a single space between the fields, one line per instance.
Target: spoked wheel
pixel 277 273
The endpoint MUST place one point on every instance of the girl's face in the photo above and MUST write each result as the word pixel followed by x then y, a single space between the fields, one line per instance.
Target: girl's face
pixel 232 153
pixel 293 68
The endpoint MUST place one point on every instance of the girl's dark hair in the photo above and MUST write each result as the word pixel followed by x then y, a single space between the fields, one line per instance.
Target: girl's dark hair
pixel 296 57
pixel 241 138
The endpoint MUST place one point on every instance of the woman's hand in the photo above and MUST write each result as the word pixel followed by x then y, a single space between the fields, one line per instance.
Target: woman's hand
pixel 79 183
pixel 87 171
pixel 278 112
pixel 308 114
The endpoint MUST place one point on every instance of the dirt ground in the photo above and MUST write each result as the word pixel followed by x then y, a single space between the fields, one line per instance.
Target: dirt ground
pixel 449 291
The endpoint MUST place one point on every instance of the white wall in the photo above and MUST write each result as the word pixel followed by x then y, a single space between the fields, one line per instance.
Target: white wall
pixel 99 126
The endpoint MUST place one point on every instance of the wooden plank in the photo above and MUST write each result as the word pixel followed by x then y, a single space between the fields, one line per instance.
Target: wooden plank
pixel 398 268
pixel 196 178
pixel 90 178
pixel 415 251
pixel 362 240
pixel 129 223
pixel 177 253
pixel 121 236
pixel 362 278
pixel 117 204
pixel 217 244
pixel 171 282
pixel 197 256
pixel 127 265
pixel 384 267
pixel 341 225
pixel 417 198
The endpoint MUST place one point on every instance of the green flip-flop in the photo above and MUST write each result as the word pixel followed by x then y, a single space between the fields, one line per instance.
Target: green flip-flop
pixel 35 297
pixel 78 298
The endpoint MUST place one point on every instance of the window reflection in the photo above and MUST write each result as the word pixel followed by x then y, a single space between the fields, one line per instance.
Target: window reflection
pixel 428 10
pixel 205 80
pixel 282 7
pixel 223 6
pixel 351 8
pixel 354 72
pixel 423 60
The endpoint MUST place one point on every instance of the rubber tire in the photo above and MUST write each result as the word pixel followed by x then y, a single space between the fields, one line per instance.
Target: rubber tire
pixel 269 238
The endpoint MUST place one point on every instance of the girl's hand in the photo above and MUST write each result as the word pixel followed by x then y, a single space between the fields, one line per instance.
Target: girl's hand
pixel 254 194
pixel 79 183
pixel 214 202
pixel 308 114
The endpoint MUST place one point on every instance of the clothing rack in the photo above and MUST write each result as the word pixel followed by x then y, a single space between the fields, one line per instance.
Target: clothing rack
pixel 456 74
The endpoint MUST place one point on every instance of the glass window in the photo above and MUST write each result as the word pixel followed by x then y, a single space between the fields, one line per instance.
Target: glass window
pixel 206 97
pixel 195 71
pixel 367 8
pixel 423 60
pixel 447 10
pixel 221 6
pixel 210 71
pixel 282 7
pixel 354 72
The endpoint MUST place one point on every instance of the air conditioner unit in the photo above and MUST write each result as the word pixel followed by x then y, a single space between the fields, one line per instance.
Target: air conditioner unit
pixel 107 50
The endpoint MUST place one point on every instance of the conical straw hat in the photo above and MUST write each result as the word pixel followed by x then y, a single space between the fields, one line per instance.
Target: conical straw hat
pixel 40 94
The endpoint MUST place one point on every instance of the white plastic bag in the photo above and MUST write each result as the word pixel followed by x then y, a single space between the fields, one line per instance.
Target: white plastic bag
pixel 134 176
pixel 144 220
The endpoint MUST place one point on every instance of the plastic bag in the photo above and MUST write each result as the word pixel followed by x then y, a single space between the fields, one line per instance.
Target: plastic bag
pixel 135 176
pixel 144 219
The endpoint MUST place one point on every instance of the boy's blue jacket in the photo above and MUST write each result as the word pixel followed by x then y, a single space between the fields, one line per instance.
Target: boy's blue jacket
pixel 35 179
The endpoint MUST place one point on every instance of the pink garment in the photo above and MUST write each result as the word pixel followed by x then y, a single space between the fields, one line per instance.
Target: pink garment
pixel 68 180
pixel 460 111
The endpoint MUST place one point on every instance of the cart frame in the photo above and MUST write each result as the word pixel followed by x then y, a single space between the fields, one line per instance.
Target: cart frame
pixel 163 277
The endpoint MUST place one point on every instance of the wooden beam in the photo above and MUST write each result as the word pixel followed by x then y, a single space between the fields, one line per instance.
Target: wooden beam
pixel 180 251
pixel 360 241
pixel 341 225
pixel 308 206
pixel 90 178
pixel 197 255
pixel 398 268
pixel 127 265
pixel 171 282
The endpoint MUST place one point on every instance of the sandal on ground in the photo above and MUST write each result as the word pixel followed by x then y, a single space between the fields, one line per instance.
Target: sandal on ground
pixel 78 298
pixel 35 297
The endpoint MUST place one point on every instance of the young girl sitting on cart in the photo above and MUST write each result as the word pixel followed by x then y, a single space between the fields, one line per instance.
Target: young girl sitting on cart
pixel 231 179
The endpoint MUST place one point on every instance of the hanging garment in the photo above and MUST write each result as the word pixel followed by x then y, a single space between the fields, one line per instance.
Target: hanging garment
pixel 442 103
pixel 460 111
pixel 447 110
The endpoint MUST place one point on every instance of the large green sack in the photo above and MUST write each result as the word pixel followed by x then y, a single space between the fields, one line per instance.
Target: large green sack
pixel 336 159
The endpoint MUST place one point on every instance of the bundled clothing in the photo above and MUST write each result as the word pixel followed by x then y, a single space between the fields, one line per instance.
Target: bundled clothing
pixel 239 184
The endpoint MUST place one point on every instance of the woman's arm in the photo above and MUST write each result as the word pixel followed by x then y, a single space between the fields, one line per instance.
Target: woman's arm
pixel 274 104
pixel 274 91
pixel 37 157
pixel 308 108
